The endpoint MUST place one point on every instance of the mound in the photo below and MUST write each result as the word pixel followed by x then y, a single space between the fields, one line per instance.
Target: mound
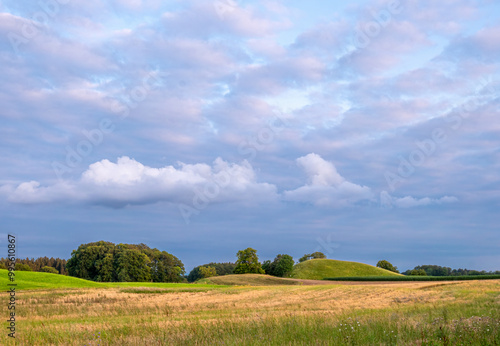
pixel 249 280
pixel 318 269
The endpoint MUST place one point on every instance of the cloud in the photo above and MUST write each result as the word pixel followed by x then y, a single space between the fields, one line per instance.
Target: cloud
pixel 325 186
pixel 129 182
pixel 409 202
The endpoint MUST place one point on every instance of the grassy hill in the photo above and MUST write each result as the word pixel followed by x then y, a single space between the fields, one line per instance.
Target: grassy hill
pixel 318 269
pixel 37 280
pixel 248 279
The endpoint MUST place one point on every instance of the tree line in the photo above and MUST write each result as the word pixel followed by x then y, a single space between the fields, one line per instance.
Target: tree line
pixel 434 270
pixel 41 264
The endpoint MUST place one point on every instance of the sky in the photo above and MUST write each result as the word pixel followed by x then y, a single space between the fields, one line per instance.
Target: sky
pixel 366 130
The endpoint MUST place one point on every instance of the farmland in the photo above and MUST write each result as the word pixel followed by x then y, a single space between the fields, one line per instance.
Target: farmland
pixel 186 314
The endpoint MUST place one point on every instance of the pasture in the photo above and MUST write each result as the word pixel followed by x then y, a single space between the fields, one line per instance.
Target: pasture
pixel 414 313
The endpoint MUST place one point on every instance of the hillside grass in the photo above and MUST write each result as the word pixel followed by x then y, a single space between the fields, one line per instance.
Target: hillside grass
pixel 26 280
pixel 406 313
pixel 318 269
pixel 248 280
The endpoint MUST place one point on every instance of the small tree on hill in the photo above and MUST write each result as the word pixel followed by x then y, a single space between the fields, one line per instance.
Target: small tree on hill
pixel 248 262
pixel 387 265
pixel 313 255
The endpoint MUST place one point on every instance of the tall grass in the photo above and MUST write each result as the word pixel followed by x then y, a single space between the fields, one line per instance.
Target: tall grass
pixel 408 313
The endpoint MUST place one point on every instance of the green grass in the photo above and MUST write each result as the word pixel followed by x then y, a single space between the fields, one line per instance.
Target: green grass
pixel 318 269
pixel 35 280
pixel 415 278
pixel 248 280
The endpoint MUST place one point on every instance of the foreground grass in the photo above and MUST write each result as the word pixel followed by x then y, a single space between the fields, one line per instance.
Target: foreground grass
pixel 317 269
pixel 418 313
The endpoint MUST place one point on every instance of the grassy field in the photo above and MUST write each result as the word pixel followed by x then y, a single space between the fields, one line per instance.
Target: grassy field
pixel 409 313
pixel 317 269
pixel 37 280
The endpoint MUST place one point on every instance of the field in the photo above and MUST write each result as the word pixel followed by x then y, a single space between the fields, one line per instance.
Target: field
pixel 414 313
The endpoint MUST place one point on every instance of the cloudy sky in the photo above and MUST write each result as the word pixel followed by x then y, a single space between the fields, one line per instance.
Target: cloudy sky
pixel 367 130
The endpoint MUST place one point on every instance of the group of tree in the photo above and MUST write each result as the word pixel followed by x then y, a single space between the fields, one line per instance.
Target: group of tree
pixel 248 263
pixel 40 264
pixel 281 266
pixel 106 262
pixel 211 269
pixel 313 255
pixel 435 270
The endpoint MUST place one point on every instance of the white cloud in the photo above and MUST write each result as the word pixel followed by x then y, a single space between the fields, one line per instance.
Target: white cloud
pixel 325 186
pixel 130 182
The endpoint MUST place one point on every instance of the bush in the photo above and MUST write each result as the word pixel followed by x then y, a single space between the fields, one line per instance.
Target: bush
pixel 47 269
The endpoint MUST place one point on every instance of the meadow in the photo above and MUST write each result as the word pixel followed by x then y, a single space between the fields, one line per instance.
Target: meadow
pixel 395 313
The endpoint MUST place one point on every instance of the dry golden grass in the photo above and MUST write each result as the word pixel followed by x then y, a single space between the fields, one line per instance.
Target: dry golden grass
pixel 125 316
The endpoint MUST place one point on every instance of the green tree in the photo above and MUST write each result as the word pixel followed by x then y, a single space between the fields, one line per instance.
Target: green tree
pixel 105 262
pixel 47 269
pixel 387 265
pixel 207 272
pixel 132 265
pixel 417 272
pixel 248 262
pixel 313 255
pixel 23 267
pixel 281 266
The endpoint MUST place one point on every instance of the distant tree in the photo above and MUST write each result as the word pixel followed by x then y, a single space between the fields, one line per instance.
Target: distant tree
pixel 248 262
pixel 417 272
pixel 281 266
pixel 23 267
pixel 105 262
pixel 220 269
pixel 387 265
pixel 224 268
pixel 2 266
pixel 47 269
pixel 313 255
pixel 207 272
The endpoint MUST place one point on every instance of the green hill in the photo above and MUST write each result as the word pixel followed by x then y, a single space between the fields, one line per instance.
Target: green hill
pixel 318 269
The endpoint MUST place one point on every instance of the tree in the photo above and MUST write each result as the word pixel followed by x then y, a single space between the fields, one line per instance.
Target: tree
pixel 220 269
pixel 22 267
pixel 417 272
pixel 281 266
pixel 106 262
pixel 313 255
pixel 207 272
pixel 248 262
pixel 387 265
pixel 47 269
